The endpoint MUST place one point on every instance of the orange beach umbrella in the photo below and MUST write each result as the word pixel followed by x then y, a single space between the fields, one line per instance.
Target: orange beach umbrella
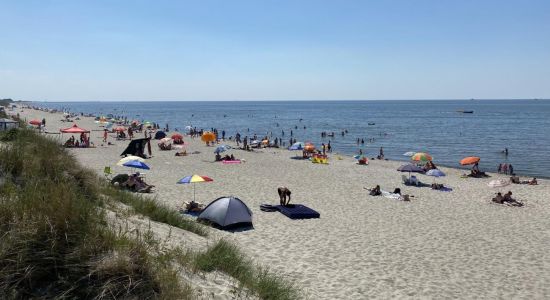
pixel 208 137
pixel 470 160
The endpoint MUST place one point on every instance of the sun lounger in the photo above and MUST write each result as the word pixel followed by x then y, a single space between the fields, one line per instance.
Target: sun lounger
pixel 298 211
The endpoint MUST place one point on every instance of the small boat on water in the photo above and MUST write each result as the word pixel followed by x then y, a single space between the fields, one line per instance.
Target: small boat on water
pixel 372 124
pixel 466 111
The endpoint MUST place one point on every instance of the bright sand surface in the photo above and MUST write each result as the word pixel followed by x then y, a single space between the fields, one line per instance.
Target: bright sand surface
pixel 440 245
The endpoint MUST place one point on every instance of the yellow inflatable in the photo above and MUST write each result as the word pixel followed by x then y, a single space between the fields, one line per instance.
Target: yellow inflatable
pixel 319 159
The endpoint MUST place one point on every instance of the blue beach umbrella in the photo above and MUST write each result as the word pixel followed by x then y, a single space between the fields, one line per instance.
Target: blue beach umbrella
pixel 222 148
pixel 435 173
pixel 136 164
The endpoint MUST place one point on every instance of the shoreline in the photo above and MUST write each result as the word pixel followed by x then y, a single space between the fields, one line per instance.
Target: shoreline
pixel 441 244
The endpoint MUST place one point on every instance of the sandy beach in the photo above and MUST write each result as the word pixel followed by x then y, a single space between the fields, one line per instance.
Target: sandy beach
pixel 439 245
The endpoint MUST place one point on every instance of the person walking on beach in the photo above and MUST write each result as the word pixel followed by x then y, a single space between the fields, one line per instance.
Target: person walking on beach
pixel 323 147
pixel 381 153
pixel 105 135
pixel 511 169
pixel 329 148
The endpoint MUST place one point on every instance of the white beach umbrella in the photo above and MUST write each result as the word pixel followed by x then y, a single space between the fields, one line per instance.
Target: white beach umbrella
pixel 498 183
pixel 129 158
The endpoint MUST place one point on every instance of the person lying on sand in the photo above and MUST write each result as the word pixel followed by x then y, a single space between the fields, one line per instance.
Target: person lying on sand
pixel 511 201
pixel 532 182
pixel 437 186
pixel 498 198
pixel 283 193
pixel 375 191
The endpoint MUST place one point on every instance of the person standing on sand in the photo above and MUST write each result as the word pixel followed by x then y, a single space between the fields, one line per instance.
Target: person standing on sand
pixel 329 148
pixel 105 135
pixel 381 153
pixel 323 147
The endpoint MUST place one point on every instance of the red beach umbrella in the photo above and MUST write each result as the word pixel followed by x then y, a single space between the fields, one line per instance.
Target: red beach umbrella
pixel 177 136
pixel 35 122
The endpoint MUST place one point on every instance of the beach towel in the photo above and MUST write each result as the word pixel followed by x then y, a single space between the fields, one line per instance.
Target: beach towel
pixel 231 162
pixel 393 196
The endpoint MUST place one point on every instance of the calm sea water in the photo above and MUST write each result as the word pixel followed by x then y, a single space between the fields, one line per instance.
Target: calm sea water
pixel 435 127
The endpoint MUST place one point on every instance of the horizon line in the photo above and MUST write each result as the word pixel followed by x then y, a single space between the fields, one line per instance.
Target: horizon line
pixel 292 100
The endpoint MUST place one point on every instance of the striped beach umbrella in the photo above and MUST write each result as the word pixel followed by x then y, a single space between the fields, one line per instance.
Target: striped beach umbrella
pixel 421 156
pixel 194 179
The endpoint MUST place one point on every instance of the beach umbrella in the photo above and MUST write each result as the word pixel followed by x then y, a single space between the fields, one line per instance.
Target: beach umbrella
pixel 74 129
pixel 470 160
pixel 177 136
pixel 309 147
pixel 296 146
pixel 129 158
pixel 410 168
pixel 194 179
pixel 409 154
pixel 208 136
pixel 35 122
pixel 421 156
pixel 222 148
pixel 435 173
pixel 497 183
pixel 136 164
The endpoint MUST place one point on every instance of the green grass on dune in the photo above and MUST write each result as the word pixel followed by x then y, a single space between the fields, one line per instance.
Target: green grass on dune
pixel 153 210
pixel 54 239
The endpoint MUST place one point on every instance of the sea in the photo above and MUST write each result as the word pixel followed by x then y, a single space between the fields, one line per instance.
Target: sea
pixel 437 127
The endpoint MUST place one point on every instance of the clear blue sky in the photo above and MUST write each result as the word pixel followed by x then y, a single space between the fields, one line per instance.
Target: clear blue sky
pixel 274 49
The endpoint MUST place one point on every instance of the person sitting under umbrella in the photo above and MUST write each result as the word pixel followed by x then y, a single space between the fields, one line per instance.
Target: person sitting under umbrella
pixel 283 193
pixel 137 184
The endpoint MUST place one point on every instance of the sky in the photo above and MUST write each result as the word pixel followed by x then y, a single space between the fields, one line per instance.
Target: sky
pixel 106 50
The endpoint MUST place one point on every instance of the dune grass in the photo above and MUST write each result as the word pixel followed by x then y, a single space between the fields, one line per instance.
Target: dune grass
pixel 227 258
pixel 154 210
pixel 54 238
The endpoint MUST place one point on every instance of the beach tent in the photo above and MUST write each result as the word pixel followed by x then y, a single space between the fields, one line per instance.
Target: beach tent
pixel 227 211
pixel 74 129
pixel 136 147
pixel 160 135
